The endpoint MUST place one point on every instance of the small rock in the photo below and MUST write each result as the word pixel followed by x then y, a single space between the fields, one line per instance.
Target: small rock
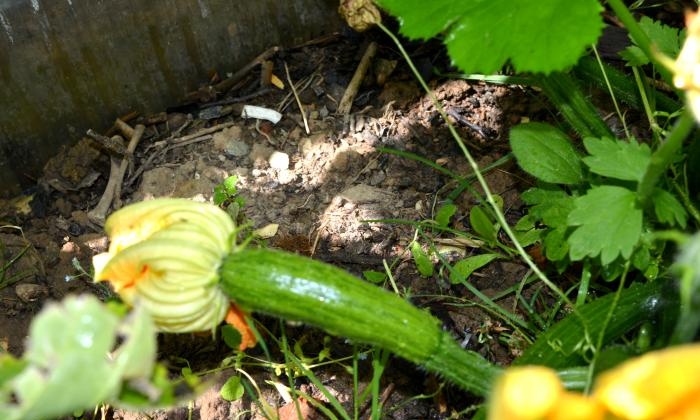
pixel 323 112
pixel 236 148
pixel 80 217
pixel 30 292
pixel 64 207
pixel 223 137
pixel 211 112
pixel 285 177
pixel 259 155
pixel 376 178
pixel 176 120
pixel 362 194
pixel 279 160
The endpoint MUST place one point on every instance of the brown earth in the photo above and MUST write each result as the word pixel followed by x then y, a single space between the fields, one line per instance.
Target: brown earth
pixel 318 187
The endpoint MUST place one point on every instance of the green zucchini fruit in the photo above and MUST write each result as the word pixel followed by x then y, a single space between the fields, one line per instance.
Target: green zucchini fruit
pixel 623 85
pixel 566 96
pixel 560 346
pixel 297 288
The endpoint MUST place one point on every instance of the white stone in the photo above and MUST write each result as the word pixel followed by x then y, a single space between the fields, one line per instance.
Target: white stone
pixel 279 160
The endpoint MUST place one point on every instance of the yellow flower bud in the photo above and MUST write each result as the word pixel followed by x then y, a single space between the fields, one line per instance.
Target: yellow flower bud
pixel 165 255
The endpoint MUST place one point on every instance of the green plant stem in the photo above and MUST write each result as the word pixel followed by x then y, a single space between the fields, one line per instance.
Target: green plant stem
pixel 297 288
pixel 475 168
pixel 663 157
pixel 638 36
pixel 601 336
pixel 620 115
pixel 585 283
pixel 689 206
pixel 655 129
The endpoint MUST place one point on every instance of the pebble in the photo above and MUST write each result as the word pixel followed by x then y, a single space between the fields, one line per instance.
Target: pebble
pixel 236 148
pixel 30 292
pixel 285 177
pixel 279 160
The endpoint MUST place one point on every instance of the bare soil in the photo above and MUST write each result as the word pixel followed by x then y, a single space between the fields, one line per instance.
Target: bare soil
pixel 318 186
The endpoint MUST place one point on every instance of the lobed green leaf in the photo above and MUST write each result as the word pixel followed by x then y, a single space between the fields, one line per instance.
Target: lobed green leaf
pixel 483 35
pixel 668 209
pixel 616 158
pixel 608 223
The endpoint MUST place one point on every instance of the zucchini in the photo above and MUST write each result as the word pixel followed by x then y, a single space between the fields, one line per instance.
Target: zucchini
pixel 560 346
pixel 297 288
pixel 569 100
pixel 623 85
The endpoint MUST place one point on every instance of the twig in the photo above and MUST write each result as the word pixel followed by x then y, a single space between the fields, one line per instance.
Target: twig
pixel 136 135
pixel 296 97
pixel 125 128
pixel 225 85
pixel 124 118
pixel 354 85
pixel 98 214
pixel 264 134
pixel 238 99
pixel 114 146
pixel 201 133
pixel 183 141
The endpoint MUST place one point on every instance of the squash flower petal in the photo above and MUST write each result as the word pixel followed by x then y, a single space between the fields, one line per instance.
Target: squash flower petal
pixel 525 393
pixel 686 68
pixel 165 255
pixel 657 385
pixel 660 385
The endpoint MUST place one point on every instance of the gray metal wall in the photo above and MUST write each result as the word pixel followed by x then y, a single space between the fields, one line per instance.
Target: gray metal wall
pixel 70 65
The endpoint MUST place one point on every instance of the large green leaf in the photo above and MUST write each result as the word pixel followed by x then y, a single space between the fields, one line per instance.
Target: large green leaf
pixel 482 35
pixel 72 363
pixel 616 158
pixel 608 224
pixel 546 153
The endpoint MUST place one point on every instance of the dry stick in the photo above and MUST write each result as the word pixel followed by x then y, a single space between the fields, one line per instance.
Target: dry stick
pixel 170 144
pixel 98 214
pixel 125 128
pixel 201 133
pixel 354 85
pixel 228 83
pixel 296 97
pixel 124 118
pixel 136 135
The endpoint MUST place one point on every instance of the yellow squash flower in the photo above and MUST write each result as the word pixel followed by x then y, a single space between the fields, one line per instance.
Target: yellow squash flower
pixel 686 68
pixel 535 393
pixel 661 385
pixel 657 385
pixel 165 255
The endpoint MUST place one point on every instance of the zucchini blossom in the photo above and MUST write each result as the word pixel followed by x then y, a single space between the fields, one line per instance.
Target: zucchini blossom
pixel 686 68
pixel 165 255
pixel 663 384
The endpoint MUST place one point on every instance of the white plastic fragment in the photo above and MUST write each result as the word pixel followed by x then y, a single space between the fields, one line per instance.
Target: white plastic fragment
pixel 260 113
